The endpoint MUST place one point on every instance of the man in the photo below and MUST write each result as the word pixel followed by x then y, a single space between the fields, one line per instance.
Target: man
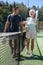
pixel 12 25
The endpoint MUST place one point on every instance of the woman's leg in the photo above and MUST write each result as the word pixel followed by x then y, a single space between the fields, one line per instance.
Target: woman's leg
pixel 28 42
pixel 27 46
pixel 28 35
pixel 32 45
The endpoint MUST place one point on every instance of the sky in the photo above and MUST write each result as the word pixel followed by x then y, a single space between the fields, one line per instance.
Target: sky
pixel 29 3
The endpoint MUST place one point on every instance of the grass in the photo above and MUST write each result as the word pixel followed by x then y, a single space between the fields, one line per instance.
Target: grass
pixel 6 57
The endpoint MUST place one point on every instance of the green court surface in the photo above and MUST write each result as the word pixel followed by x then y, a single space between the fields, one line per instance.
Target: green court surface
pixel 5 55
pixel 40 44
pixel 38 53
pixel 37 59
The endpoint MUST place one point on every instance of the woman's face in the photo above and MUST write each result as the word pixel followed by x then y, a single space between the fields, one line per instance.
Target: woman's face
pixel 32 14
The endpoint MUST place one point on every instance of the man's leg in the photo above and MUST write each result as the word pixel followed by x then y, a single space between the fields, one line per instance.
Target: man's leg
pixel 11 46
pixel 15 47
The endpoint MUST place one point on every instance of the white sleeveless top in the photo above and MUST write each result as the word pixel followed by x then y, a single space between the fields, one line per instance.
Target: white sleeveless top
pixel 31 23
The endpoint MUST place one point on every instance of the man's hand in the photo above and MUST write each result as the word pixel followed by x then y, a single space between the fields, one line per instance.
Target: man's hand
pixel 22 33
pixel 4 40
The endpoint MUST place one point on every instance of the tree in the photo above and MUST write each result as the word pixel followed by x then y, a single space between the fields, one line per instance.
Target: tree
pixel 14 4
pixel 23 11
pixel 40 16
pixel 34 7
pixel 1 18
pixel 28 12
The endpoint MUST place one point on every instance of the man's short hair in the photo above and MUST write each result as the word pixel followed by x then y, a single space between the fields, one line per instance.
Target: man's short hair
pixel 15 8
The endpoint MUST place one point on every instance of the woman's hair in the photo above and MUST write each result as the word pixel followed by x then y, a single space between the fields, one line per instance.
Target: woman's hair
pixel 32 10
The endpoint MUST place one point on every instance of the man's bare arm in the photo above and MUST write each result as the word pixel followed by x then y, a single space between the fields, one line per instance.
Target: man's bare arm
pixel 21 26
pixel 6 26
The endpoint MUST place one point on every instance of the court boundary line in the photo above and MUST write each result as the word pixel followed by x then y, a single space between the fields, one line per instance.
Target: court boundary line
pixel 38 48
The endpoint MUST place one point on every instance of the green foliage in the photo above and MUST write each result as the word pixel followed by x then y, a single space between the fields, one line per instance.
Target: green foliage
pixel 34 7
pixel 41 14
pixel 23 11
pixel 6 9
pixel 1 18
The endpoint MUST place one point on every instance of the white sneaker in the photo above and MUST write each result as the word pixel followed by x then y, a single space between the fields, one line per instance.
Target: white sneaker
pixel 31 55
pixel 27 52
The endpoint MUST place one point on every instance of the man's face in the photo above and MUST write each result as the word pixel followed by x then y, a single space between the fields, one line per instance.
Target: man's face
pixel 17 11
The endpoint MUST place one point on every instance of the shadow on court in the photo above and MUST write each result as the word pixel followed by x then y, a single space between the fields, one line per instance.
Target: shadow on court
pixel 35 57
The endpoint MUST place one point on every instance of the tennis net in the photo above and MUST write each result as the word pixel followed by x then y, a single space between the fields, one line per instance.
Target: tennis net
pixel 5 55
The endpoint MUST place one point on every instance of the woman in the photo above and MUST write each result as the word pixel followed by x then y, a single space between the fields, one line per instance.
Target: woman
pixel 31 33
